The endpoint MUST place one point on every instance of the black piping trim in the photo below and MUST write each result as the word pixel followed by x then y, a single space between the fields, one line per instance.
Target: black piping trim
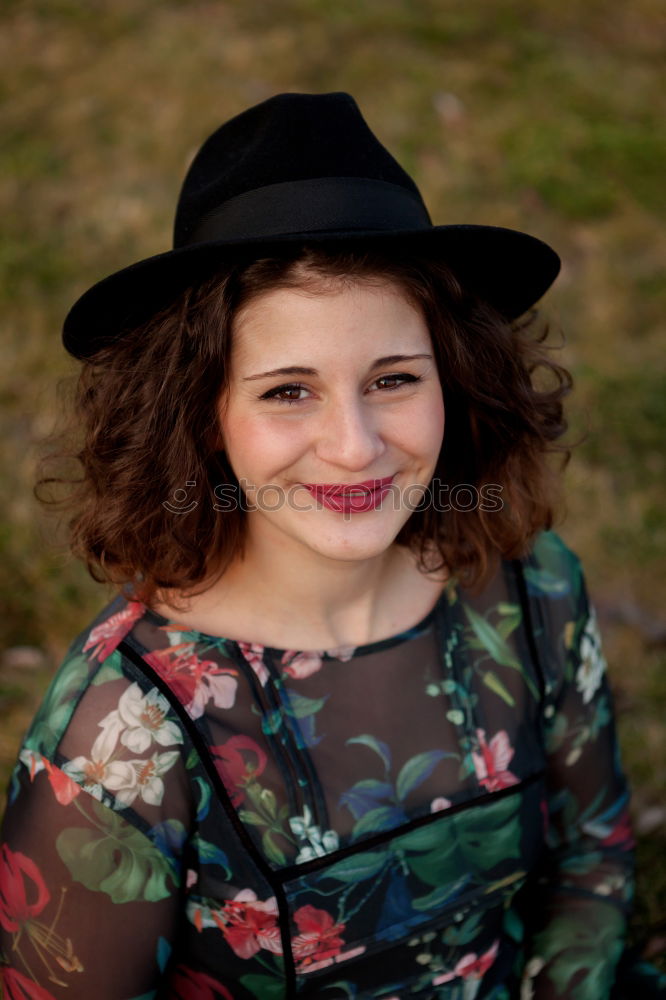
pixel 295 871
pixel 126 647
pixel 449 619
pixel 267 701
pixel 529 627
pixel 312 792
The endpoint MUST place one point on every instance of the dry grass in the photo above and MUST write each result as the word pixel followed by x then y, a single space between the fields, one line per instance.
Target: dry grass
pixel 542 116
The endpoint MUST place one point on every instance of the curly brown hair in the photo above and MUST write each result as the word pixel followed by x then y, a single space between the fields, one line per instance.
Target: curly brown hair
pixel 147 408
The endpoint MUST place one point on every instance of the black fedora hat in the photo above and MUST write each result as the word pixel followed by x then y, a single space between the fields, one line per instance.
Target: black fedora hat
pixel 302 168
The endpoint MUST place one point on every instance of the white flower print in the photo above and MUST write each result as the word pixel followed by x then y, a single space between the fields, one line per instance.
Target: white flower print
pixel 532 970
pixel 137 721
pixel 98 772
pixel 593 665
pixel 440 803
pixel 218 687
pixel 318 844
pixel 146 780
pixel 142 719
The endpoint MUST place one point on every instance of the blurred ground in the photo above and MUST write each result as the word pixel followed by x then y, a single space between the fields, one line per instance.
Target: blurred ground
pixel 539 116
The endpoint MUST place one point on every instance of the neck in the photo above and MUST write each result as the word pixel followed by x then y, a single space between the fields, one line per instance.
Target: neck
pixel 340 602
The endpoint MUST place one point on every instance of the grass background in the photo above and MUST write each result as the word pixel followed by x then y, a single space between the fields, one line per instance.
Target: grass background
pixel 537 115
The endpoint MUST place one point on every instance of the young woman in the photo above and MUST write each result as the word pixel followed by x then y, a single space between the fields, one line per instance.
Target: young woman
pixel 346 730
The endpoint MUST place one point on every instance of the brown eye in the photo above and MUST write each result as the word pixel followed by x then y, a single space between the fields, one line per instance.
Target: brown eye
pixel 397 380
pixel 285 393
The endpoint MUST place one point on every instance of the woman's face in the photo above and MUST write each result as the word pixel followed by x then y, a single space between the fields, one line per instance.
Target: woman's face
pixel 330 389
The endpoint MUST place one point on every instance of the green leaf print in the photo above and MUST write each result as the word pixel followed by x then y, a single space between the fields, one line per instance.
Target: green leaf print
pixel 264 987
pixel 383 818
pixel 544 582
pixel 211 854
pixel 556 732
pixel 204 792
pixel 110 670
pixel 512 616
pixel 491 680
pixel 57 706
pixel 253 818
pixel 298 706
pixel 376 745
pixel 442 894
pixel 358 867
pixel 496 646
pixel 273 852
pixel 572 944
pixel 491 640
pixel 424 838
pixel 437 867
pixel 461 934
pixel 269 802
pixel 116 858
pixel 489 836
pixel 417 769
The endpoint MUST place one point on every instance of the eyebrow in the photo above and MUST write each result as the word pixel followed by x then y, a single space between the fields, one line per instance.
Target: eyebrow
pixel 390 359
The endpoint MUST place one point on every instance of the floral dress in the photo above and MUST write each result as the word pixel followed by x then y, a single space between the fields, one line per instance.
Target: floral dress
pixel 442 814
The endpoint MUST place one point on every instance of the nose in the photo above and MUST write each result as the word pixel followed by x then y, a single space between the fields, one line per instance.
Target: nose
pixel 349 437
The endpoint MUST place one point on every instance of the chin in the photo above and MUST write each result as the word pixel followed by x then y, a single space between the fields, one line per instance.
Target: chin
pixel 355 548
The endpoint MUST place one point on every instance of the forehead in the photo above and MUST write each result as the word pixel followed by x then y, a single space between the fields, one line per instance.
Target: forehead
pixel 338 320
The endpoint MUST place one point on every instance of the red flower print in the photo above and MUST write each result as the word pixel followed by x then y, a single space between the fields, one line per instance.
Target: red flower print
pixel 16 986
pixel 188 984
pixel 319 938
pixel 194 681
pixel 104 638
pixel 19 878
pixel 233 767
pixel 301 665
pixel 64 788
pixel 248 924
pixel 492 761
pixel 254 654
pixel 470 966
pixel 23 896
pixel 621 834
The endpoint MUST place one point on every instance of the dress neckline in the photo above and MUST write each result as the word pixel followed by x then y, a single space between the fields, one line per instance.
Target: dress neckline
pixel 339 652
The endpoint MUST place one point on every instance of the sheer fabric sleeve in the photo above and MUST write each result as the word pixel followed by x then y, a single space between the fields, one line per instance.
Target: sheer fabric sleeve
pixel 92 841
pixel 583 895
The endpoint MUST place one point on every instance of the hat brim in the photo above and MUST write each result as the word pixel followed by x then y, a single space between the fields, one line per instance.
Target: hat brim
pixel 508 269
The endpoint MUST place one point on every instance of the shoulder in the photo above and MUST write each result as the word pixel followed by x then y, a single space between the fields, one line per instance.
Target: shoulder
pixel 563 618
pixel 95 689
pixel 104 732
pixel 553 571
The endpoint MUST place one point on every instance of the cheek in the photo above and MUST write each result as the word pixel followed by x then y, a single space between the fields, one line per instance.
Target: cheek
pixel 427 424
pixel 261 443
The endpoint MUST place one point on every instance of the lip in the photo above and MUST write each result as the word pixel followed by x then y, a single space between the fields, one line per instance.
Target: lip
pixel 350 498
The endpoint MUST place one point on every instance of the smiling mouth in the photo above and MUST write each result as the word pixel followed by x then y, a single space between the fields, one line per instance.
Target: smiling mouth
pixel 349 492
pixel 347 498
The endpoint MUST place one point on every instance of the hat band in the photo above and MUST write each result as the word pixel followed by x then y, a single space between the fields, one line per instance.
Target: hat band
pixel 320 204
